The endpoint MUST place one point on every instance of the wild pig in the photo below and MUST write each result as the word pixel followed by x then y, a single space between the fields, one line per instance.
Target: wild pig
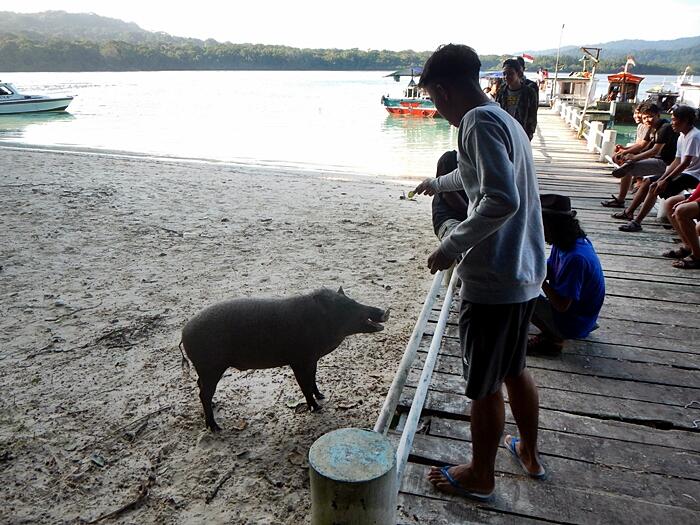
pixel 266 333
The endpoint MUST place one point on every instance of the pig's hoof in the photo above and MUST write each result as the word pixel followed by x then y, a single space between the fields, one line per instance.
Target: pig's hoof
pixel 315 408
pixel 319 395
pixel 214 427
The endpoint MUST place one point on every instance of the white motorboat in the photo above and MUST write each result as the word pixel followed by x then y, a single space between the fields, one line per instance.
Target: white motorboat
pixel 13 102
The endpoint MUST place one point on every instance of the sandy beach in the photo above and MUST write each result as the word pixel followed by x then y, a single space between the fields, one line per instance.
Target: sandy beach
pixel 105 257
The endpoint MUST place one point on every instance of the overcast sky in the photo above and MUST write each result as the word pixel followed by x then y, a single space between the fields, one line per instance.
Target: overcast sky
pixel 494 26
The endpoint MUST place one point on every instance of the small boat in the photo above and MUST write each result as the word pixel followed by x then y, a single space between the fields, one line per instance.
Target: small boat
pixel 13 102
pixel 414 102
pixel 688 90
pixel 664 97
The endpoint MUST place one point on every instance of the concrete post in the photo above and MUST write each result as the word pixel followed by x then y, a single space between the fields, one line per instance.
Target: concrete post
pixel 353 479
pixel 608 146
pixel 556 108
pixel 594 131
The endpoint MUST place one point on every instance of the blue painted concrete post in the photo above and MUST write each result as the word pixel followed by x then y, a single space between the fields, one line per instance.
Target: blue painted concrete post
pixel 353 479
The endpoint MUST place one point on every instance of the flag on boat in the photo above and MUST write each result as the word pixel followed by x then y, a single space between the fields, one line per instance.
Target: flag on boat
pixel 630 61
pixel 528 58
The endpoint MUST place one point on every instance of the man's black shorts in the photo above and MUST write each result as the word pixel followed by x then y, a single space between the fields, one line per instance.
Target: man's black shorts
pixel 494 343
pixel 678 184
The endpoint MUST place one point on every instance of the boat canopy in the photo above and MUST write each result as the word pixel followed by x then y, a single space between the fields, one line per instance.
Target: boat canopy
pixel 408 72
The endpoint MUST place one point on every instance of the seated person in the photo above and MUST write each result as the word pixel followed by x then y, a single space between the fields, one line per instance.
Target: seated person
pixel 640 143
pixel 650 162
pixel 574 288
pixel 683 173
pixel 449 208
pixel 684 212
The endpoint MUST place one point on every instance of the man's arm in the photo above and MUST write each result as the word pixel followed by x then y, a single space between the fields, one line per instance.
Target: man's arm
pixel 559 303
pixel 675 168
pixel 486 145
pixel 647 154
pixel 534 103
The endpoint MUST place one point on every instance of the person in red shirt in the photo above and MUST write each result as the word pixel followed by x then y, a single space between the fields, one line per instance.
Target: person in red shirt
pixel 684 211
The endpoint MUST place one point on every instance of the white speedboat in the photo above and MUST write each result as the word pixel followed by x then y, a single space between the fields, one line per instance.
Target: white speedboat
pixel 13 102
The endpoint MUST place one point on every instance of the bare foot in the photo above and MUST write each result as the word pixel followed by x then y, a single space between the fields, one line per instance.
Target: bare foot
pixel 467 483
pixel 529 462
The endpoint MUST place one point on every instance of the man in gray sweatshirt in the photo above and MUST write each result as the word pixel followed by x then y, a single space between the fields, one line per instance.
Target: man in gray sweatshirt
pixel 502 268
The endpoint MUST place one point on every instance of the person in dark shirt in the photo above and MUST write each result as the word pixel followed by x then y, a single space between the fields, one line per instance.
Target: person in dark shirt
pixel 450 207
pixel 649 163
pixel 517 98
pixel 574 289
pixel 678 175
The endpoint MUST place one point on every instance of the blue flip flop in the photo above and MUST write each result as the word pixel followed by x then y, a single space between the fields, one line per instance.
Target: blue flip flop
pixel 512 448
pixel 461 490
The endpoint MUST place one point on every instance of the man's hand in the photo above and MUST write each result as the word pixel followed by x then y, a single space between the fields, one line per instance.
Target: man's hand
pixel 424 188
pixel 439 261
pixel 661 185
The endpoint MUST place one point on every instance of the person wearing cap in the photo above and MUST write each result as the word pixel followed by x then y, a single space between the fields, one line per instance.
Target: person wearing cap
pixel 574 289
pixel 503 264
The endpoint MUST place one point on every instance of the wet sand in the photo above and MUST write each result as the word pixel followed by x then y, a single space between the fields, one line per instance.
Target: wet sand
pixel 105 257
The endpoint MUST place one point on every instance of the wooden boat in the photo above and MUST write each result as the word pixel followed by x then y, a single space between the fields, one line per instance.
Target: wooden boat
pixel 688 90
pixel 13 102
pixel 414 102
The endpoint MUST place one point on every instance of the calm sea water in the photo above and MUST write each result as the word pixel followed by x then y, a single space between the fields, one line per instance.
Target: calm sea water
pixel 322 120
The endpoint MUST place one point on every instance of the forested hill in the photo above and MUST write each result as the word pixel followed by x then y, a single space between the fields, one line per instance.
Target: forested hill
pixel 59 41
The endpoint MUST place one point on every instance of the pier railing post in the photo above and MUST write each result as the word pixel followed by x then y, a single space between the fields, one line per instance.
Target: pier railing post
pixel 353 478
pixel 574 117
pixel 594 132
pixel 608 147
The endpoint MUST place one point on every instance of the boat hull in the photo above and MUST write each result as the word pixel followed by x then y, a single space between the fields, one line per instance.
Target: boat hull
pixel 31 105
pixel 414 107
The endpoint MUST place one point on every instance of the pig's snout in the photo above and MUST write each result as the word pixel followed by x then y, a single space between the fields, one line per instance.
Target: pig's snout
pixel 375 317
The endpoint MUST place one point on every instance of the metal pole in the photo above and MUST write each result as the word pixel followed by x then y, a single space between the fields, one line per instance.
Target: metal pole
pixel 422 390
pixel 392 398
pixel 556 67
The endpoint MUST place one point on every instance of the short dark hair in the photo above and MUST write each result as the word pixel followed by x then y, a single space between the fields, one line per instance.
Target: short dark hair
pixel 521 61
pixel 564 230
pixel 685 114
pixel 453 64
pixel 513 63
pixel 650 108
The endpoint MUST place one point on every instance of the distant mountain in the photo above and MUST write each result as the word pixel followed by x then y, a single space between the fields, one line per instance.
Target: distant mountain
pixel 625 47
pixel 79 26
pixel 60 41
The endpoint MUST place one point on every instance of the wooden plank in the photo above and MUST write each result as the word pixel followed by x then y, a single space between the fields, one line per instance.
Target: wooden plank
pixel 615 389
pixel 626 457
pixel 566 471
pixel 547 500
pixel 598 407
pixel 457 406
pixel 603 368
pixel 591 348
pixel 421 510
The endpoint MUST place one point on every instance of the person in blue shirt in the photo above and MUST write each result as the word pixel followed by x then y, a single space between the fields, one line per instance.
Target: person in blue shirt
pixel 574 289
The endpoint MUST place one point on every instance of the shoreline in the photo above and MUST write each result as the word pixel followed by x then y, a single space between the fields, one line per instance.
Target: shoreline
pixel 106 257
pixel 299 168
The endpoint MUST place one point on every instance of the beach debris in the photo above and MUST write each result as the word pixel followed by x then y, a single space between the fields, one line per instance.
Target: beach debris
pixel 98 460
pixel 409 197
pixel 141 495
pixel 223 479
pixel 239 424
pixel 225 219
pixel 132 434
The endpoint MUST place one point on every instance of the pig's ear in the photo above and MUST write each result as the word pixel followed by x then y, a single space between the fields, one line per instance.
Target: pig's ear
pixel 340 291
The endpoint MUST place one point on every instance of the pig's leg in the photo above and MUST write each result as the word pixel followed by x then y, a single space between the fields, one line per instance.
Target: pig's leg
pixel 317 393
pixel 207 386
pixel 305 375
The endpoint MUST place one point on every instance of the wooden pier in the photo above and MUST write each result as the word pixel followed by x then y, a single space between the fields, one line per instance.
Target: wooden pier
pixel 619 411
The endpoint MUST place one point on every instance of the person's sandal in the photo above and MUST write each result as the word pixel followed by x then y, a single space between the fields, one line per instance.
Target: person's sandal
pixel 541 345
pixel 689 263
pixel 680 253
pixel 623 215
pixel 613 203
pixel 632 226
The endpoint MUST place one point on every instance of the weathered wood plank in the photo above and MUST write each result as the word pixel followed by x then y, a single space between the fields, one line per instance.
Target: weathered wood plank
pixel 577 403
pixel 595 349
pixel 571 472
pixel 549 500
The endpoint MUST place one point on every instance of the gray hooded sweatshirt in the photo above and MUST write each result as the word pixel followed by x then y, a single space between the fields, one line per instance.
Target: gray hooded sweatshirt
pixel 502 239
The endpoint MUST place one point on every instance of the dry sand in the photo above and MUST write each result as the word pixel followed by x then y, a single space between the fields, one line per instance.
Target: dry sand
pixel 105 257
